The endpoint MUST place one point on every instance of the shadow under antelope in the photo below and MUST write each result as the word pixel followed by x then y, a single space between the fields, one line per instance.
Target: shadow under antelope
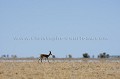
pixel 44 56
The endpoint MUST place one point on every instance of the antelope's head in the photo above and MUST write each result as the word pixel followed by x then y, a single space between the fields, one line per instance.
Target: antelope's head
pixel 50 53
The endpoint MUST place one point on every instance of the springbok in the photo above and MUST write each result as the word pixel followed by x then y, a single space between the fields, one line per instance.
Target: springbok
pixel 44 56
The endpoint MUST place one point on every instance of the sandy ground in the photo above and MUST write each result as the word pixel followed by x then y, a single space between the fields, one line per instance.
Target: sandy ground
pixel 60 70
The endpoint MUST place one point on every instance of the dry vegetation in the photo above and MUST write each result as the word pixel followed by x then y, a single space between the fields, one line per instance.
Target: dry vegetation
pixel 60 70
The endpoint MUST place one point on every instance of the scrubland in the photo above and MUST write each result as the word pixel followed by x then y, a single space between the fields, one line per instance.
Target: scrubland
pixel 60 70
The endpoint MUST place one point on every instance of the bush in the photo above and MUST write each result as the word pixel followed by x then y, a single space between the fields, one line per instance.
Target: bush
pixel 69 56
pixel 86 55
pixel 53 56
pixel 103 55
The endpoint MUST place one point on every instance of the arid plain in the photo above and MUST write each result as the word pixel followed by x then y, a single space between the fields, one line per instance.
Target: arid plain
pixel 60 70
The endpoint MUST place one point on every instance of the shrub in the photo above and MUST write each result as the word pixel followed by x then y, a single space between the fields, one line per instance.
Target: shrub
pixel 86 55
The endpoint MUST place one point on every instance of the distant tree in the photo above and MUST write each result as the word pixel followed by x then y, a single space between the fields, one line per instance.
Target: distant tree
pixel 3 56
pixel 69 56
pixel 103 55
pixel 53 56
pixel 107 55
pixel 7 56
pixel 86 55
pixel 13 56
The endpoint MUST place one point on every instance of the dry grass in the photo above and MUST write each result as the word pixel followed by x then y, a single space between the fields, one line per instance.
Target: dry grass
pixel 60 70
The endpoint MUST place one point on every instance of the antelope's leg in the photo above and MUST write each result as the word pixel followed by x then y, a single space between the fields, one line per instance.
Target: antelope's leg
pixel 47 59
pixel 41 59
pixel 38 60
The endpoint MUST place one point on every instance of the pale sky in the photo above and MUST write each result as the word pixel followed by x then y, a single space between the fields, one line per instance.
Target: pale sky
pixel 59 18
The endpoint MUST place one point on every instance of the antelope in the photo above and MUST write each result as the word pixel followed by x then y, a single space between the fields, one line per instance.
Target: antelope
pixel 44 56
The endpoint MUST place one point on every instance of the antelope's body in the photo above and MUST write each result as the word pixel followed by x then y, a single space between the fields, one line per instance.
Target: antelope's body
pixel 44 56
